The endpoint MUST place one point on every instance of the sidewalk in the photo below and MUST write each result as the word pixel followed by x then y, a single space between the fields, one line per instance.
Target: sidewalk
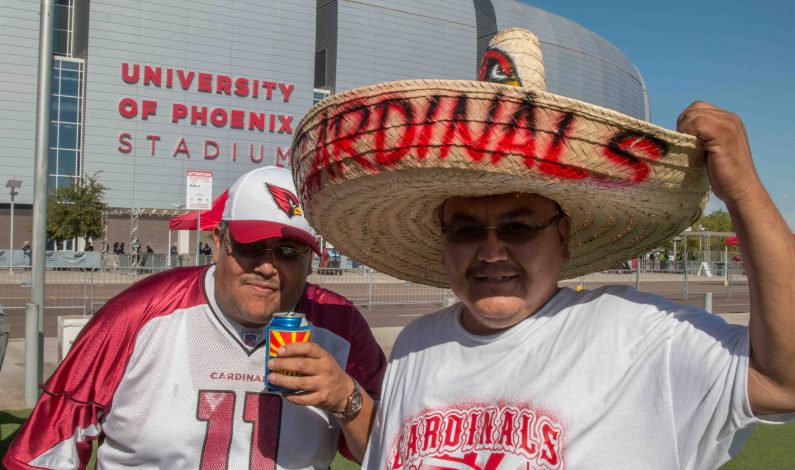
pixel 12 376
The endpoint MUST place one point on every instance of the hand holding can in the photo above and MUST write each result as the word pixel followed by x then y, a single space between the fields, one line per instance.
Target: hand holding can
pixel 283 329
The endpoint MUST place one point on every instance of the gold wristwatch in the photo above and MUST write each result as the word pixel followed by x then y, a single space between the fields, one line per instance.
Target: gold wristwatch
pixel 353 405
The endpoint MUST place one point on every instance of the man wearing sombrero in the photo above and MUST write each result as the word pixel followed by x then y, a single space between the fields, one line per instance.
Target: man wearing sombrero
pixel 499 190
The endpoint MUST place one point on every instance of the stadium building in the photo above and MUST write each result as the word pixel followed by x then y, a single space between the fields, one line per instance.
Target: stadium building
pixel 145 90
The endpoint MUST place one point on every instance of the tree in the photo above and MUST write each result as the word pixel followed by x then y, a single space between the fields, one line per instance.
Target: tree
pixel 76 210
pixel 718 221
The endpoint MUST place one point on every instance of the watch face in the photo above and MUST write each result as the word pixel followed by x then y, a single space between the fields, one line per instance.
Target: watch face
pixel 356 402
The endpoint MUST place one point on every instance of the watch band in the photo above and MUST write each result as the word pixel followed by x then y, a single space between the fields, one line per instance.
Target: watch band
pixel 352 405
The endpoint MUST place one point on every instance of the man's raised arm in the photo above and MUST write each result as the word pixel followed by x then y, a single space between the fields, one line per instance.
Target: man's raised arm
pixel 768 251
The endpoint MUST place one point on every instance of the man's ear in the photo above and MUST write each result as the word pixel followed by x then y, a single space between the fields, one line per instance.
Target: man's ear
pixel 564 227
pixel 217 239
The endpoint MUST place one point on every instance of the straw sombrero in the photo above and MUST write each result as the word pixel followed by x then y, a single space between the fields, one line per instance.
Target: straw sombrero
pixel 373 164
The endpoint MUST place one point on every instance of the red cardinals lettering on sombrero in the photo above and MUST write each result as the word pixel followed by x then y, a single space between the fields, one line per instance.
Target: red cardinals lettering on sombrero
pixel 285 200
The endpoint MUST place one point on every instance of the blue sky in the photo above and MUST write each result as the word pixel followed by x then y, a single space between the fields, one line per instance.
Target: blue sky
pixel 738 55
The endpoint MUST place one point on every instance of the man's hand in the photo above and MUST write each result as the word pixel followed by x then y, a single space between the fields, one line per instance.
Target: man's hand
pixel 324 384
pixel 729 165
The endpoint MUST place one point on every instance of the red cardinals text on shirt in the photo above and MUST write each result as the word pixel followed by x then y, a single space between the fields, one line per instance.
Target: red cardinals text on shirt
pixel 469 429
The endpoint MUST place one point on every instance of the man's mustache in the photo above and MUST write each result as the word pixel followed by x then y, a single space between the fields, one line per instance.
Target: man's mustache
pixel 261 282
pixel 485 269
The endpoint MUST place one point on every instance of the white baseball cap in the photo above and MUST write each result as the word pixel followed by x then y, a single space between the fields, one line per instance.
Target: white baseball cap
pixel 263 204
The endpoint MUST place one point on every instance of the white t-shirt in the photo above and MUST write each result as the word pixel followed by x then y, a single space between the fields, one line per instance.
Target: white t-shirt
pixel 610 378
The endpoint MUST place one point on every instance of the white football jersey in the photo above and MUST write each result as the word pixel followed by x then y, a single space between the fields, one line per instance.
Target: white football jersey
pixel 164 380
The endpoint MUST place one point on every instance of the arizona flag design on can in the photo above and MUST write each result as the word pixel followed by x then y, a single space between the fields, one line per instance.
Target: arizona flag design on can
pixel 285 328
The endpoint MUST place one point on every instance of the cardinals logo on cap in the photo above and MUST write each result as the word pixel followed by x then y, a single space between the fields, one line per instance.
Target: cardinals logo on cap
pixel 285 200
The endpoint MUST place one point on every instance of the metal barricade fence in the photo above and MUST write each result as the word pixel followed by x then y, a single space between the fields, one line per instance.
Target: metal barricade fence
pixel 67 291
pixel 70 291
pixel 153 261
pixel 15 287
pixel 106 284
pixel 678 277
pixel 364 286
pixel 737 279
pixel 76 291
pixel 350 283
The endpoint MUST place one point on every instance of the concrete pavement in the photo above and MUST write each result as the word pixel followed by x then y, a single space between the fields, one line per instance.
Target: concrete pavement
pixel 12 376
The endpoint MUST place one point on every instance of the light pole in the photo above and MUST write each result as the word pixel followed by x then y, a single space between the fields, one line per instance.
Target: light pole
pixel 13 185
pixel 198 234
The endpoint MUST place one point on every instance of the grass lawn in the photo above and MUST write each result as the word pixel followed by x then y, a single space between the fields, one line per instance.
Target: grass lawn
pixel 10 421
pixel 341 463
pixel 769 448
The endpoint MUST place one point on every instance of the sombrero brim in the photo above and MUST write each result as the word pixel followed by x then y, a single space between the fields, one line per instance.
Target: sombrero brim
pixel 372 166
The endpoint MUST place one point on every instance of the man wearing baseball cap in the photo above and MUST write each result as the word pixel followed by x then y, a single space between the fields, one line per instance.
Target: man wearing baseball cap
pixel 170 373
pixel 499 189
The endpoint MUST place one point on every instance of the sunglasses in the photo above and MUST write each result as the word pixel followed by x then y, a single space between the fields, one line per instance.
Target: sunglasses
pixel 511 231
pixel 287 253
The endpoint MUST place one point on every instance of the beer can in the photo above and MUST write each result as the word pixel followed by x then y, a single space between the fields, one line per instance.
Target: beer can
pixel 285 328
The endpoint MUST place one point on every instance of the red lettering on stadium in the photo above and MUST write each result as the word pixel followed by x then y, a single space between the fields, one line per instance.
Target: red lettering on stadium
pixel 208 150
pixel 220 117
pixel 242 87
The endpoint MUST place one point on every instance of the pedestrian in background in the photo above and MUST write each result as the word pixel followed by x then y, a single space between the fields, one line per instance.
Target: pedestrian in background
pixel 206 250
pixel 173 253
pixel 116 253
pixel 28 252
pixel 136 252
